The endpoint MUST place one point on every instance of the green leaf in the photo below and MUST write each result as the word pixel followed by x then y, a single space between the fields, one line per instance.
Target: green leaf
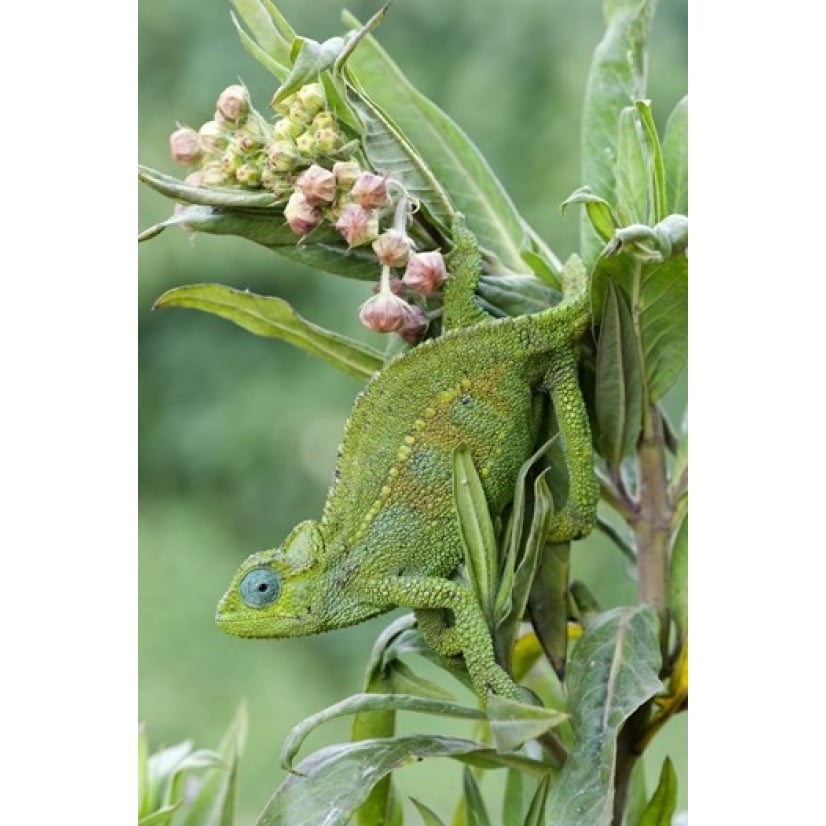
pixel 513 803
pixel 515 295
pixel 161 816
pixel 599 211
pixel 536 812
pixel 654 163
pixel 678 580
pixel 548 603
pixel 618 405
pixel 269 29
pixel 370 702
pixel 663 321
pixel 275 68
pixel 310 58
pixel 475 812
pixel 274 318
pixel 663 804
pixel 616 79
pixel 207 196
pixel 631 172
pixel 214 804
pixel 453 158
pixel 675 158
pixel 427 815
pixel 513 723
pixel 329 785
pixel 476 529
pixel 144 795
pixel 637 795
pixel 612 672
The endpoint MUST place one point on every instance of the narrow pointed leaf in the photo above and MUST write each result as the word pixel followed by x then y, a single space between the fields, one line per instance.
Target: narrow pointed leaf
pixel 207 196
pixel 678 581
pixel 450 154
pixel 631 172
pixel 612 672
pixel 513 723
pixel 275 318
pixel 370 702
pixel 513 803
pixel 311 59
pixel 618 406
pixel 279 70
pixel 637 795
pixel 675 158
pixel 476 528
pixel 615 80
pixel 268 27
pixel 162 816
pixel 548 604
pixel 428 816
pixel 475 812
pixel 407 681
pixel 536 811
pixel 663 804
pixel 329 785
pixel 654 162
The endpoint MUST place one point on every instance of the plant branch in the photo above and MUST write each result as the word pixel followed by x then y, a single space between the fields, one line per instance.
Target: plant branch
pixel 613 493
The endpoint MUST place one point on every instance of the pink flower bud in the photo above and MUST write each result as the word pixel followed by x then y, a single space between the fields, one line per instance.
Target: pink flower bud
pixel 346 173
pixel 414 325
pixel 395 286
pixel 233 104
pixel 384 313
pixel 318 184
pixel 301 215
pixel 392 248
pixel 425 272
pixel 358 225
pixel 184 146
pixel 370 190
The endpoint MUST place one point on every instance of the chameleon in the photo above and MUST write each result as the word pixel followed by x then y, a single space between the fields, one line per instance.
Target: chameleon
pixel 389 536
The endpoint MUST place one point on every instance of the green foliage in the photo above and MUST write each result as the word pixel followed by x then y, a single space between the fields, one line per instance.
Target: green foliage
pixel 592 678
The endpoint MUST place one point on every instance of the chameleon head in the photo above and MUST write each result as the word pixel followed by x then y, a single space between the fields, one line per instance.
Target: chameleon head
pixel 275 593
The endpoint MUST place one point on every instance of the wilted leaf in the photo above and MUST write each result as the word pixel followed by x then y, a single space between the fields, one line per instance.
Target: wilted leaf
pixel 598 210
pixel 611 673
pixel 275 318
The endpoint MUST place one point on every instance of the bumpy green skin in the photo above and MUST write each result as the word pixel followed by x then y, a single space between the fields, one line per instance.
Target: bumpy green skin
pixel 389 535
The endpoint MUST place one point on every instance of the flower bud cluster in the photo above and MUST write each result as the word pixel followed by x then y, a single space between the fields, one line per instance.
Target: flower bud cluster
pixel 304 159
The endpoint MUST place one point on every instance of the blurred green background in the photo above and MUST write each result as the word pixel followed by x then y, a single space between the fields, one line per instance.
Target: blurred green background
pixel 238 434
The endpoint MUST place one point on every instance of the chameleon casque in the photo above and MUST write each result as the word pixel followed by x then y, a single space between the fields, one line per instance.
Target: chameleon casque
pixel 389 536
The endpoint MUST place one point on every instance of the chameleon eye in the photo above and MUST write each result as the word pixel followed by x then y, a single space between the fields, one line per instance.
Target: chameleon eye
pixel 260 587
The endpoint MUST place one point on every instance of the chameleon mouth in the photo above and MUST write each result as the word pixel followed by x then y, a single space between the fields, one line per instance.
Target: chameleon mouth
pixel 250 628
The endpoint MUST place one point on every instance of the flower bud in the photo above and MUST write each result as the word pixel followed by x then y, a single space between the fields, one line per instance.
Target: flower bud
pixel 370 190
pixel 324 120
pixel 230 161
pixel 233 104
pixel 301 215
pixel 305 143
pixel 326 140
pixel 318 184
pixel 282 156
pixel 392 248
pixel 414 325
pixel 358 225
pixel 283 106
pixel 425 272
pixel 300 115
pixel 212 174
pixel 346 173
pixel 248 174
pixel 395 286
pixel 384 313
pixel 286 129
pixel 312 97
pixel 184 146
pixel 212 137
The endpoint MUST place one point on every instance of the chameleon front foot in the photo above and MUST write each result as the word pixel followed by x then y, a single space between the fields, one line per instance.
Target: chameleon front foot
pixel 468 635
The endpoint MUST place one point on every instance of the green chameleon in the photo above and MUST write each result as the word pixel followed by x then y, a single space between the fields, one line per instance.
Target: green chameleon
pixel 389 535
